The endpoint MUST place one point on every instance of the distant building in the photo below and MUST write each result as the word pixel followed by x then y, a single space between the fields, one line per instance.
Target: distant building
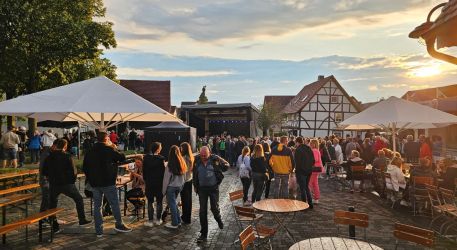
pixel 318 108
pixel 442 98
pixel 157 92
pixel 215 119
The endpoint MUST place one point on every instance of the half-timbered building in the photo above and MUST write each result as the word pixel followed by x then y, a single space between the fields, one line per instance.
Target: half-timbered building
pixel 318 108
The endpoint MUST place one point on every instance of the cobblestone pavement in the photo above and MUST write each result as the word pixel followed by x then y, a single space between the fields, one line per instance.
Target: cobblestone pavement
pixel 308 224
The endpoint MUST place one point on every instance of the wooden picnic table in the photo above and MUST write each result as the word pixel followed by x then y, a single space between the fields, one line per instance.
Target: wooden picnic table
pixel 19 189
pixel 333 243
pixel 11 200
pixel 281 206
pixel 18 174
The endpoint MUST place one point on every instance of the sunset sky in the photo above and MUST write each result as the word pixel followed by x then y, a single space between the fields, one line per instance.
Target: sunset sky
pixel 244 50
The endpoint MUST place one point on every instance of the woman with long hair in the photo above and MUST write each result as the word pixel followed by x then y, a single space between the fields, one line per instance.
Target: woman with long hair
pixel 173 182
pixel 259 172
pixel 317 170
pixel 186 192
pixel 244 166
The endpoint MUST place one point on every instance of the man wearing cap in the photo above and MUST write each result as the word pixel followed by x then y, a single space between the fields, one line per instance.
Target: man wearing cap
pixel 10 141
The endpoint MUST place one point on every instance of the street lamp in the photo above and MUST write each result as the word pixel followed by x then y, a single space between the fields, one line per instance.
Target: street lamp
pixel 442 31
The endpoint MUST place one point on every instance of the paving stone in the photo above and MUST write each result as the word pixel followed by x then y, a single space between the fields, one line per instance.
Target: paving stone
pixel 309 224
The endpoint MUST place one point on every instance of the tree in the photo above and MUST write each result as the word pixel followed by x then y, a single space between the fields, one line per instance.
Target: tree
pixel 269 116
pixel 203 99
pixel 45 44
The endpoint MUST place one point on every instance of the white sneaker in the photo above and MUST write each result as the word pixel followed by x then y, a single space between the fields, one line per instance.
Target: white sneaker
pixel 149 223
pixel 404 203
pixel 315 201
pixel 169 225
pixel 247 203
pixel 158 222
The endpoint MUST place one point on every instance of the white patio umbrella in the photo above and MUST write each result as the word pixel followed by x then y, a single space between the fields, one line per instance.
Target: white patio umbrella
pixel 396 114
pixel 97 102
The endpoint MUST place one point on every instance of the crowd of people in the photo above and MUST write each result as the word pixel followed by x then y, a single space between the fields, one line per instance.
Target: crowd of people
pixel 277 167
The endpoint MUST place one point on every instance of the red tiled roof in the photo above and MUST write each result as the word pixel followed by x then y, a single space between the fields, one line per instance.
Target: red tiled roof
pixel 157 92
pixel 279 101
pixel 299 101
pixel 430 93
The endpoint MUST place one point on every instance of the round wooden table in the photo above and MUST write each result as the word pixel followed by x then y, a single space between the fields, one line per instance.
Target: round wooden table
pixel 332 243
pixel 281 206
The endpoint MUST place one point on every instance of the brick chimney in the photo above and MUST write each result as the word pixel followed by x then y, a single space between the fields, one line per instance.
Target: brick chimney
pixel 320 77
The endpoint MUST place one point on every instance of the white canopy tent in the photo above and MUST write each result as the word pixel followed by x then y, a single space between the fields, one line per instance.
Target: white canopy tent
pixel 396 114
pixel 97 102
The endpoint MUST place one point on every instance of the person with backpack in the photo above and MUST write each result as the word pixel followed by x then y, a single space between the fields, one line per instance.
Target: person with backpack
pixel 244 166
pixel 259 165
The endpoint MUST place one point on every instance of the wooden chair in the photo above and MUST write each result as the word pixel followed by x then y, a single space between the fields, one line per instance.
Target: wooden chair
pixel 418 191
pixel 358 174
pixel 414 234
pixel 248 215
pixel 247 237
pixel 342 217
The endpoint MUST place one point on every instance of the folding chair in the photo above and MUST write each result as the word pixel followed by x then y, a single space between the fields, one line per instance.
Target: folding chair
pixel 248 215
pixel 390 189
pixel 340 177
pixel 450 209
pixel 247 237
pixel 437 206
pixel 418 191
pixel 234 196
pixel 379 182
pixel 358 174
pixel 342 217
pixel 414 234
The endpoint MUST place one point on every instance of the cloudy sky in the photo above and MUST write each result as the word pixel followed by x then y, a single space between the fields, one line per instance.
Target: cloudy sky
pixel 244 50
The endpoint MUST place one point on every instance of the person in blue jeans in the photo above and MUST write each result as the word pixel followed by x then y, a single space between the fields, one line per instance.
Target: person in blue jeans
pixel 100 166
pixel 173 182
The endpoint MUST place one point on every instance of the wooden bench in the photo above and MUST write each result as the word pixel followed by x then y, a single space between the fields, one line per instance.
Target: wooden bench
pixel 417 235
pixel 30 220
pixel 19 189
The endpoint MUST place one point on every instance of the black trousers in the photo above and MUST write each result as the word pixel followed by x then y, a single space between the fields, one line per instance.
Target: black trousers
pixel 303 183
pixel 186 200
pixel 246 184
pixel 211 193
pixel 71 191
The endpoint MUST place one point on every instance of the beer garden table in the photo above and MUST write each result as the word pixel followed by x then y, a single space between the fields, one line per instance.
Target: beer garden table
pixel 283 207
pixel 331 243
pixel 121 184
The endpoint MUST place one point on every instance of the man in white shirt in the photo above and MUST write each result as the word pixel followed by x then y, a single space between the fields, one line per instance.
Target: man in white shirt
pixel 338 151
pixel 10 141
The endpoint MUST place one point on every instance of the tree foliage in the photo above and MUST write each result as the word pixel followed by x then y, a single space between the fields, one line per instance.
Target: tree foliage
pixel 44 44
pixel 269 116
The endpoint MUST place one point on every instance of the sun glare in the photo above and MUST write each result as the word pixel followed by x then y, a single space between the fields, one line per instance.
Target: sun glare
pixel 425 71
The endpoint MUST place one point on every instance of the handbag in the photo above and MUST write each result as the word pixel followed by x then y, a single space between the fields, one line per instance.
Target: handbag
pixel 292 182
pixel 317 169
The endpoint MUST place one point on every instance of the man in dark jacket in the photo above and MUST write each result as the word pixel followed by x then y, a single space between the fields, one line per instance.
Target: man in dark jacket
pixel 207 176
pixel 304 162
pixel 100 166
pixel 412 149
pixel 59 170
pixel 239 145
